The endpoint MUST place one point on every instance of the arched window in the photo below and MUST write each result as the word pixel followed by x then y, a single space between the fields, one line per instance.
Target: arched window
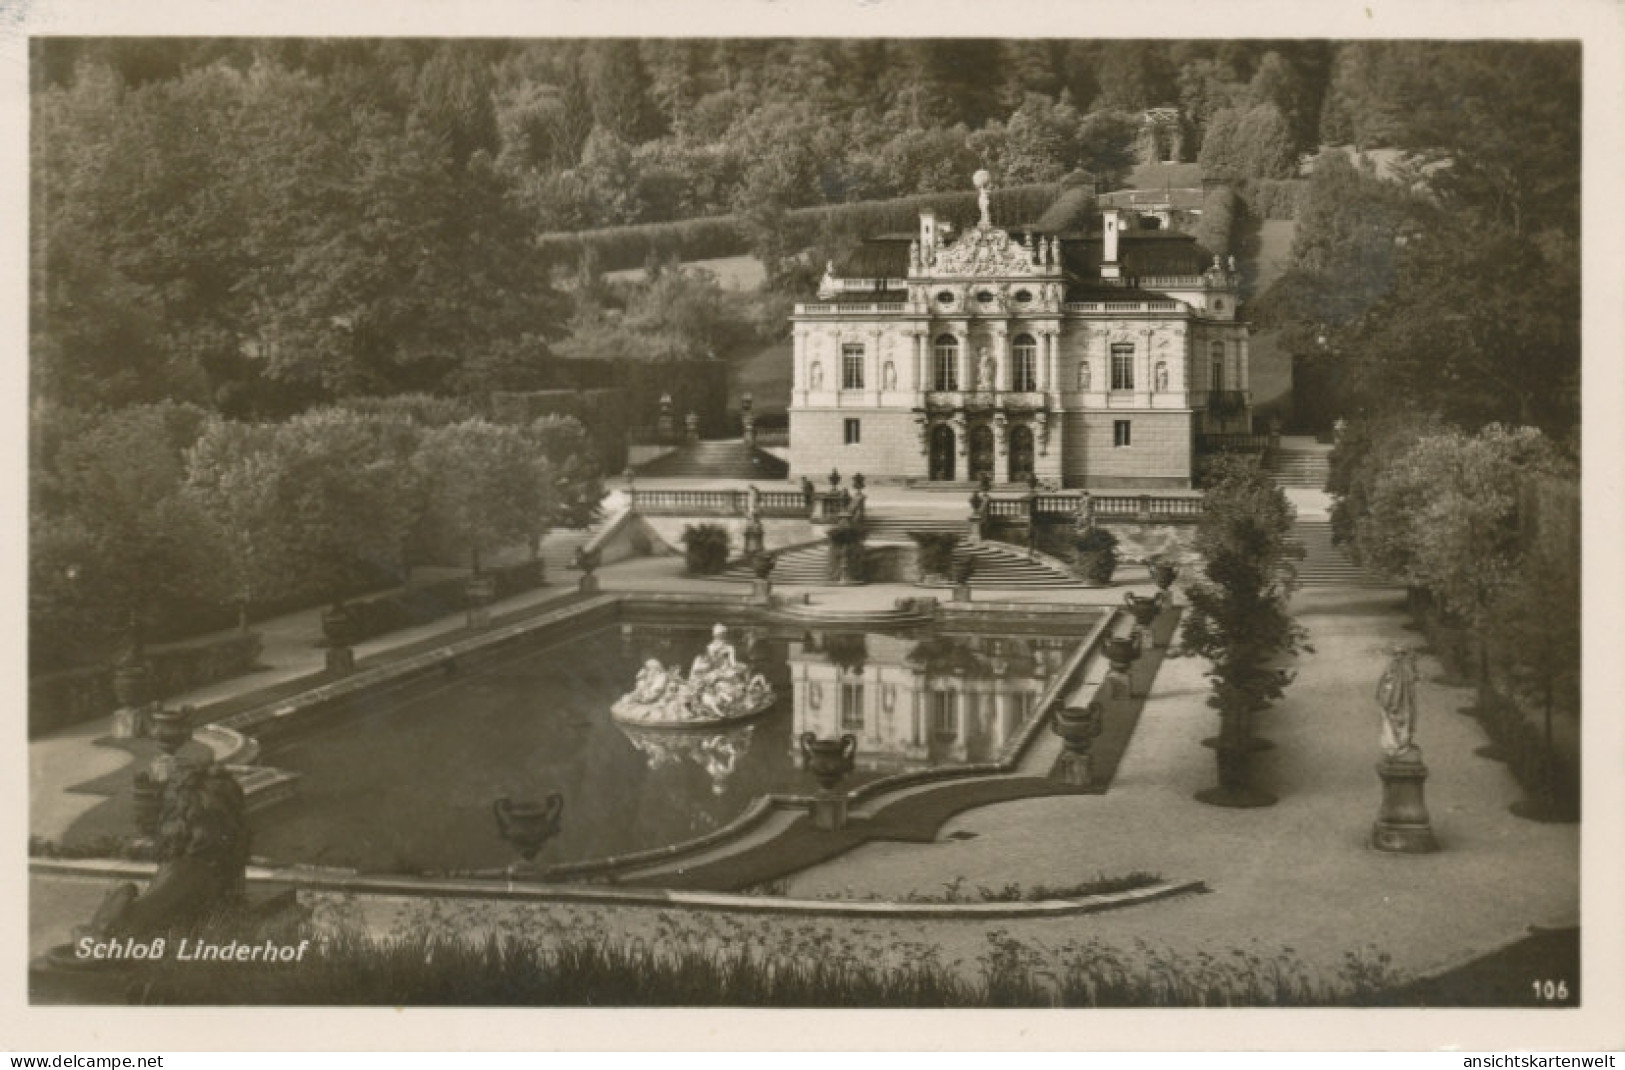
pixel 945 363
pixel 1216 354
pixel 1024 375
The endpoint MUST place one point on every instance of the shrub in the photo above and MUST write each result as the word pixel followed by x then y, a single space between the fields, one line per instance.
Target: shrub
pixel 68 698
pixel 705 548
pixel 1218 223
pixel 1096 555
pixel 936 550
pixel 846 552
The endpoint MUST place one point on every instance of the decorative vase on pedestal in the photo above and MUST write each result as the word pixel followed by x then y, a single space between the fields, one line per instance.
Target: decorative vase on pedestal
pixel 1121 652
pixel 1078 726
pixel 829 761
pixel 339 628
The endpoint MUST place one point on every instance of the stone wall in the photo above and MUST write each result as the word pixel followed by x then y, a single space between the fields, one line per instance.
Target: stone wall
pixel 888 449
pixel 1159 453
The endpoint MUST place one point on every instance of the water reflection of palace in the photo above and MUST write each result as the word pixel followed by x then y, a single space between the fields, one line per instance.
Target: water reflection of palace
pixel 918 702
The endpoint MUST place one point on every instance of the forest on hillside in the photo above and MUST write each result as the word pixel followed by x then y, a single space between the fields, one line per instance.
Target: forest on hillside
pixel 258 225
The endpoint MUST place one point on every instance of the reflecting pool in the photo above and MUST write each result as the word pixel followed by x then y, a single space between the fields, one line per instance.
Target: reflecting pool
pixel 407 784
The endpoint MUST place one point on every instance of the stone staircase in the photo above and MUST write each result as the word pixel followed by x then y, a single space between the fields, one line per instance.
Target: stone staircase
pixel 1325 564
pixel 897 527
pixel 717 459
pixel 1301 462
pixel 558 550
pixel 997 565
pixel 797 566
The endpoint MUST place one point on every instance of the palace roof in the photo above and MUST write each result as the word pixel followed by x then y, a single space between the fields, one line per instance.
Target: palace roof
pixel 1140 253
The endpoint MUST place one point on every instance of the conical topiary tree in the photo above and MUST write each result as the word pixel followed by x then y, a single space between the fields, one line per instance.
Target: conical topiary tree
pixel 1238 618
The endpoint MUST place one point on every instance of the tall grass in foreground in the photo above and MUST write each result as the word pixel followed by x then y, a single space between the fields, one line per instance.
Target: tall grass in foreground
pixel 797 969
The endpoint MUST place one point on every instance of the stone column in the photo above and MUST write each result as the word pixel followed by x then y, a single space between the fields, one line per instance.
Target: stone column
pixel 967 376
pixel 917 339
pixel 1004 376
pixel 875 365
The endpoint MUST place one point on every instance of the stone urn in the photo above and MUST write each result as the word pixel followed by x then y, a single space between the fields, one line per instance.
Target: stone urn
pixel 1143 609
pixel 130 683
pixel 527 826
pixel 339 626
pixel 171 728
pixel 829 760
pixel 1122 652
pixel 1078 727
pixel 1163 573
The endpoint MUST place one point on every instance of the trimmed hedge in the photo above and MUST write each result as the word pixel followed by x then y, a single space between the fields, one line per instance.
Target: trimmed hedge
pixel 705 548
pixel 430 601
pixel 711 237
pixel 936 552
pixel 1218 224
pixel 1096 551
pixel 69 698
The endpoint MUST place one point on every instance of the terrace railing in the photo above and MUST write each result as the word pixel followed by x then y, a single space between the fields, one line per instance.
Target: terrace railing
pixel 1124 306
pixel 1139 507
pixel 774 503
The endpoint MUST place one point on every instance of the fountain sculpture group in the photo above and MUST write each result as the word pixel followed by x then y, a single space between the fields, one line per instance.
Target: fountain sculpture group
pixel 718 689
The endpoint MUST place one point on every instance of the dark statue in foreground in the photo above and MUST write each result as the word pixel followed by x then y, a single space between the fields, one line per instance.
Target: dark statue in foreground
pixel 202 846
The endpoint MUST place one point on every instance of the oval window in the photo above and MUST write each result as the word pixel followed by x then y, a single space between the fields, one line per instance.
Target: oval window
pixel 946 297
pixel 985 296
pixel 1218 304
pixel 1024 296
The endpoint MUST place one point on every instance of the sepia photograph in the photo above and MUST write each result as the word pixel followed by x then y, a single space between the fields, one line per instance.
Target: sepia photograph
pixel 814 521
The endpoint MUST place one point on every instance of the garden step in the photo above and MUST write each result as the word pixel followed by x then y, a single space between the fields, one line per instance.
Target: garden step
pixel 731 459
pixel 1324 563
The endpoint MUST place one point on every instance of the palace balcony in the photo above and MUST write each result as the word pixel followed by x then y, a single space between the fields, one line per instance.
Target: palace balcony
pixel 1015 402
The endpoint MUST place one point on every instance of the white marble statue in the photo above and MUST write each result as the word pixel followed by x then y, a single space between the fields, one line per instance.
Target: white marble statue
pixel 1396 694
pixel 718 688
pixel 985 369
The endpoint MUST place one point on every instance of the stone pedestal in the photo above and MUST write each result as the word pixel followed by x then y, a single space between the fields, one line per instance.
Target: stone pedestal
pixel 829 811
pixel 127 723
pixel 761 592
pixel 961 592
pixel 1402 824
pixel 588 584
pixel 1075 769
pixel 753 537
pixel 340 659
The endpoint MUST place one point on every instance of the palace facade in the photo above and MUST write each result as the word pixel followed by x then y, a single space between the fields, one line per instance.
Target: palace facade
pixel 1086 358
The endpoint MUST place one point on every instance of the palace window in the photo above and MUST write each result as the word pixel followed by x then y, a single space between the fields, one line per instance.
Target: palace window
pixel 852 367
pixel 1216 351
pixel 1024 375
pixel 944 715
pixel 945 364
pixel 854 432
pixel 1123 366
pixel 851 707
pixel 1120 433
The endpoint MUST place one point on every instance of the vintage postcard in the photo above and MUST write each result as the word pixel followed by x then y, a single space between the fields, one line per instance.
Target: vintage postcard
pixel 895 508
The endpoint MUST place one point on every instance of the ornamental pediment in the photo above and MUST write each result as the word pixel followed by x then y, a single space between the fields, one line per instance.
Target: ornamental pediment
pixel 984 251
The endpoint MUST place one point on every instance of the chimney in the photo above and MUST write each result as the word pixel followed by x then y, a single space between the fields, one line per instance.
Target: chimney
pixel 1112 225
pixel 928 232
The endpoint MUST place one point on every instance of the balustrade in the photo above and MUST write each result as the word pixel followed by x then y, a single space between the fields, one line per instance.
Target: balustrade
pixel 774 503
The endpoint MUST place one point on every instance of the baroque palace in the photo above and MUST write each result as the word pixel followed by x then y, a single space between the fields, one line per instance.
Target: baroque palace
pixel 1084 358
